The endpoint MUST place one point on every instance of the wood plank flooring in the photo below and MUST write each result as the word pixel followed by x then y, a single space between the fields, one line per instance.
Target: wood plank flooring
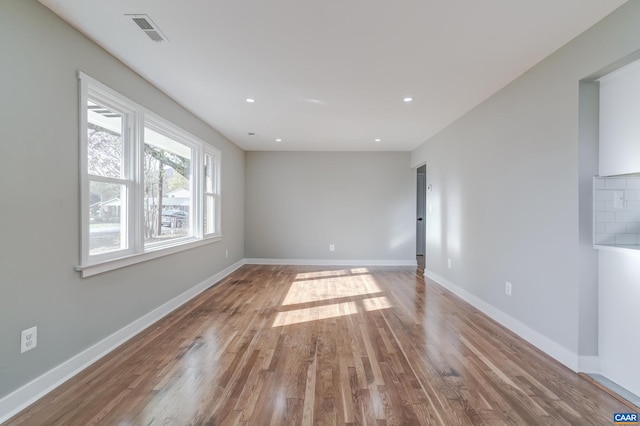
pixel 298 345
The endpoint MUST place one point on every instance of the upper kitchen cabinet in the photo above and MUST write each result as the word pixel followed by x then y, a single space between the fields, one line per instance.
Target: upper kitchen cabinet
pixel 620 121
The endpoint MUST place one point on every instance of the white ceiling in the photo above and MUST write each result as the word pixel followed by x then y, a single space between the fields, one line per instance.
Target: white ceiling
pixel 331 74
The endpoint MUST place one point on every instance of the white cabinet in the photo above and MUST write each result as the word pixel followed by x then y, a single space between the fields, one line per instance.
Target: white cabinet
pixel 620 121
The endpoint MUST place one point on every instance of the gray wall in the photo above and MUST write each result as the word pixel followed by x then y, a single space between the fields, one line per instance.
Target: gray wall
pixel 300 202
pixel 506 190
pixel 588 257
pixel 39 240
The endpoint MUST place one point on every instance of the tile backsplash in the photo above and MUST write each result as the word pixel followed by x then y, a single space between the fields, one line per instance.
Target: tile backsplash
pixel 616 210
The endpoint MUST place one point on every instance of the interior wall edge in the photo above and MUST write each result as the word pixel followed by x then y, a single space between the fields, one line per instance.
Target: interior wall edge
pixel 589 364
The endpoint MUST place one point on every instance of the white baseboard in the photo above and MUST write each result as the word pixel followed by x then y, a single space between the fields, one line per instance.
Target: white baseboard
pixel 19 399
pixel 331 262
pixel 589 364
pixel 546 345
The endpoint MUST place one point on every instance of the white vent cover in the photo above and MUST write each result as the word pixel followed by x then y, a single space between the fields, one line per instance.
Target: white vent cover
pixel 148 27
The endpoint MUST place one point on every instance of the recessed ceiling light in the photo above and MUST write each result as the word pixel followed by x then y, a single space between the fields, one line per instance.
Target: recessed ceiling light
pixel 251 134
pixel 407 99
pixel 377 139
pixel 251 100
pixel 278 140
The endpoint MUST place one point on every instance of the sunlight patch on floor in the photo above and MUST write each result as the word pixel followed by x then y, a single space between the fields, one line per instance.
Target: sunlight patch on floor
pixel 329 287
pixel 314 290
pixel 376 303
pixel 316 313
pixel 321 274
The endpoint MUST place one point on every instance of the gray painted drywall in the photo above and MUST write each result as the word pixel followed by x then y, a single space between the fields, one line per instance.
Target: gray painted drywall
pixel 300 202
pixel 588 257
pixel 506 184
pixel 39 240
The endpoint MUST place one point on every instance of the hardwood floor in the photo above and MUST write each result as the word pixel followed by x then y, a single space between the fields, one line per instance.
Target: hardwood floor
pixel 301 345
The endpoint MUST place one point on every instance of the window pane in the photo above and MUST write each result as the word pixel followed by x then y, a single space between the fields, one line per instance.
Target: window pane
pixel 209 214
pixel 106 219
pixel 167 188
pixel 208 173
pixel 104 141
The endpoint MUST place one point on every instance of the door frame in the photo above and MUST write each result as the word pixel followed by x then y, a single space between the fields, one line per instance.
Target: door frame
pixel 421 210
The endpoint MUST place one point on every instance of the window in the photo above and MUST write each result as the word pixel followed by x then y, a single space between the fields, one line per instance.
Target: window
pixel 211 192
pixel 168 187
pixel 108 176
pixel 148 188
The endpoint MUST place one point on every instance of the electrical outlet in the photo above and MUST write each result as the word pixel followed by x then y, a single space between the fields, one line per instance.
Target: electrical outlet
pixel 449 263
pixel 332 247
pixel 507 288
pixel 226 253
pixel 28 339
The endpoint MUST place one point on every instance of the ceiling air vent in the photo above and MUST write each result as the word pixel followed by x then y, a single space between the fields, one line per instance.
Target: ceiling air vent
pixel 148 27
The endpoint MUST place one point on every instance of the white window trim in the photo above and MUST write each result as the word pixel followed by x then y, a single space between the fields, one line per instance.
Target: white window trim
pixel 216 158
pixel 113 100
pixel 121 262
pixel 136 117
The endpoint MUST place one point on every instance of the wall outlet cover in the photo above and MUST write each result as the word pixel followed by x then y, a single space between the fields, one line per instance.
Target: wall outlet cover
pixel 28 339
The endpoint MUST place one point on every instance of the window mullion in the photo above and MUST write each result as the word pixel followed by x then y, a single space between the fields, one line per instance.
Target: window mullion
pixel 84 175
pixel 197 191
pixel 216 189
pixel 137 176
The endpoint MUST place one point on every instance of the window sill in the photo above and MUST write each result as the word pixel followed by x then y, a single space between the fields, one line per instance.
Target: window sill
pixel 121 262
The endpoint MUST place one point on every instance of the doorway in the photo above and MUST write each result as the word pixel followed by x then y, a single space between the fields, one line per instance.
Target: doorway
pixel 421 219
